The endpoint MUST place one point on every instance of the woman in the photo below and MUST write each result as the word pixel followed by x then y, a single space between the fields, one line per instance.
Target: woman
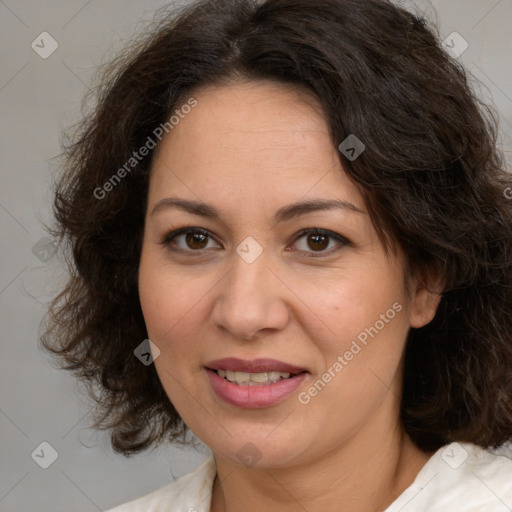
pixel 302 206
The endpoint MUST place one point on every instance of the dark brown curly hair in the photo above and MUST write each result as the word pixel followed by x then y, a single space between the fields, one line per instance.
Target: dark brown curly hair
pixel 432 177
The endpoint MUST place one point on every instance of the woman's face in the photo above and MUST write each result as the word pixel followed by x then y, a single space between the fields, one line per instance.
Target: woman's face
pixel 252 167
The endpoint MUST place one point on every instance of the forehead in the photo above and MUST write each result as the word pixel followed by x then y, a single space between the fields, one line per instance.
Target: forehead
pixel 251 140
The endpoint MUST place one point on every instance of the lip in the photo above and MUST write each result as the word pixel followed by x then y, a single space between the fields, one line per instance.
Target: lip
pixel 254 397
pixel 253 366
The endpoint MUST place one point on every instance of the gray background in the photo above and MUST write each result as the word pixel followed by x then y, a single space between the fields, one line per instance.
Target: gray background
pixel 39 97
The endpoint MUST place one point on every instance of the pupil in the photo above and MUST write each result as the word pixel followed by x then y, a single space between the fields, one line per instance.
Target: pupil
pixel 319 241
pixel 196 238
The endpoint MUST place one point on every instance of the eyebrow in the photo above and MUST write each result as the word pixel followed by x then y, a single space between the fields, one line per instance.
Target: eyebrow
pixel 283 214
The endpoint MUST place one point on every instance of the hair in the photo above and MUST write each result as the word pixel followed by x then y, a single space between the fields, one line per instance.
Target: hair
pixel 431 175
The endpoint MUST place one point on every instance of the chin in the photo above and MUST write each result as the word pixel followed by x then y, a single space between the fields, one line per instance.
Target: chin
pixel 258 451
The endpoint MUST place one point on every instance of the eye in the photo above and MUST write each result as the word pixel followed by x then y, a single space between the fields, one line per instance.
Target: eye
pixel 318 241
pixel 188 240
pixel 313 241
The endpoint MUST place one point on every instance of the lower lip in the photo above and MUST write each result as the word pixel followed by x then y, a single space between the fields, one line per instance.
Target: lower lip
pixel 254 397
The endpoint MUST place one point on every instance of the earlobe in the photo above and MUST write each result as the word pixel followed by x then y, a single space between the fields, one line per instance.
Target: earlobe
pixel 424 306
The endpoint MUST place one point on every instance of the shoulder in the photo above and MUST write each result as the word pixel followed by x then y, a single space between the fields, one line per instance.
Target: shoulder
pixel 476 472
pixel 462 477
pixel 189 493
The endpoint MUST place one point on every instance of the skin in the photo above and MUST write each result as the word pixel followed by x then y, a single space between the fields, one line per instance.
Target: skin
pixel 248 149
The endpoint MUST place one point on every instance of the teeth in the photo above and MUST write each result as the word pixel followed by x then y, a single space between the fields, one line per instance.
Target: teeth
pixel 231 376
pixel 252 379
pixel 242 378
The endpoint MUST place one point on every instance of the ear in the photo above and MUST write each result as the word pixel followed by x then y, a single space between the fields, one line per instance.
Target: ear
pixel 425 298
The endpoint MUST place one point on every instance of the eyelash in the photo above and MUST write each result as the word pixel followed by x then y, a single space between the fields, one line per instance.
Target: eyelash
pixel 170 237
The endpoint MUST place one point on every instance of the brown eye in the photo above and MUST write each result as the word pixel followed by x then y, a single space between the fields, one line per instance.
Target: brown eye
pixel 189 240
pixel 196 240
pixel 316 243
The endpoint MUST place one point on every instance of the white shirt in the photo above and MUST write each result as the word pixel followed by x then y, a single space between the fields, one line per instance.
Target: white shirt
pixel 459 477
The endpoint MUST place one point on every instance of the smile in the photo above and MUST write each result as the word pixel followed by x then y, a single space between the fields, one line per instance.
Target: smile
pixel 253 379
pixel 254 395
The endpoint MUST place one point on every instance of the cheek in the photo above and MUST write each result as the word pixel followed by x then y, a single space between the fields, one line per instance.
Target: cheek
pixel 157 304
pixel 175 308
pixel 170 306
pixel 363 346
pixel 349 306
pixel 360 350
pixel 160 309
pixel 166 297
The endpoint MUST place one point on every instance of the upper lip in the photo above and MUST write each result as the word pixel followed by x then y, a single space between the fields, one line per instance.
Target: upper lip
pixel 253 366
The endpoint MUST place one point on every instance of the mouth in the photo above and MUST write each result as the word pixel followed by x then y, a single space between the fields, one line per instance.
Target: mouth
pixel 254 379
pixel 254 383
pixel 257 371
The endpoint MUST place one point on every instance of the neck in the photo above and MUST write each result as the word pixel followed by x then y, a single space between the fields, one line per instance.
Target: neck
pixel 365 475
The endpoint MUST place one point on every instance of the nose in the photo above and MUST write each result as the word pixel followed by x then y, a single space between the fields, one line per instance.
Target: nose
pixel 250 298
